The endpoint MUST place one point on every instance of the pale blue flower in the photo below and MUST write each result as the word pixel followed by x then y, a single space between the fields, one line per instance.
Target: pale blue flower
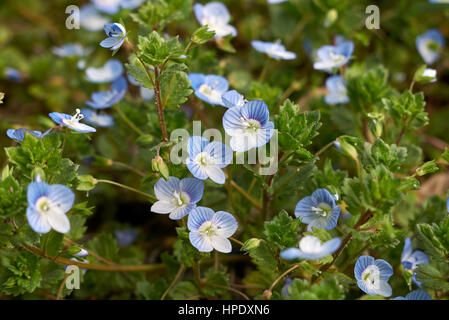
pixel 232 99
pixel 206 159
pixel 106 99
pixel 110 71
pixel 48 205
pixel 318 210
pixel 415 295
pixel 273 49
pixel 209 87
pixel 72 122
pixel 125 237
pixel 116 36
pixel 146 94
pixel 70 50
pixel 177 197
pixel 91 19
pixel 216 16
pixel 19 134
pixel 248 126
pixel 372 276
pixel 311 248
pixel 13 74
pixel 330 57
pixel 337 93
pixel 210 230
pixel 131 4
pixel 287 285
pixel 429 45
pixel 411 259
pixel 107 6
pixel 97 119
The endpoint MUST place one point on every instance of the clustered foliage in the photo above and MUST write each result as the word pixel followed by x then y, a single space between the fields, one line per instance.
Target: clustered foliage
pixel 383 153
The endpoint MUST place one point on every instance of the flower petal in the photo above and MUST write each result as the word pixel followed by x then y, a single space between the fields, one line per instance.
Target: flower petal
pixel 198 216
pixel 225 222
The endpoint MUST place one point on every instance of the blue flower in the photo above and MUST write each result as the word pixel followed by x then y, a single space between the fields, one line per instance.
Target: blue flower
pixel 330 57
pixel 146 94
pixel 106 99
pixel 111 70
pixel 232 99
pixel 13 74
pixel 97 119
pixel 336 88
pixel 310 248
pixel 72 122
pixel 107 6
pixel 287 284
pixel 318 210
pixel 206 159
pixel 273 49
pixel 19 134
pixel 91 19
pixel 410 259
pixel 415 295
pixel 248 126
pixel 116 36
pixel 70 50
pixel 131 4
pixel 216 16
pixel 177 197
pixel 210 230
pixel 429 45
pixel 125 237
pixel 48 205
pixel 209 88
pixel 372 276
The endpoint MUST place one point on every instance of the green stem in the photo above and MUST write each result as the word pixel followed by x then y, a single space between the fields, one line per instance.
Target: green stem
pixel 126 187
pixel 128 122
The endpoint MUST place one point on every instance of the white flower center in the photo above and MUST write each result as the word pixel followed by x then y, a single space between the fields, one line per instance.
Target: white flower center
pixel 207 228
pixel 44 205
pixel 336 57
pixel 323 209
pixel 210 92
pixel 75 119
pixel 181 198
pixel 371 277
pixel 251 125
pixel 204 159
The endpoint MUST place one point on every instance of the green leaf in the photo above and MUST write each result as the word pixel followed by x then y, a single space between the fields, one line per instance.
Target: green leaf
pixel 296 130
pixel 155 50
pixel 202 35
pixel 161 12
pixel 174 85
pixel 105 245
pixel 139 73
pixel 432 278
pixel 282 230
pixel 52 243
